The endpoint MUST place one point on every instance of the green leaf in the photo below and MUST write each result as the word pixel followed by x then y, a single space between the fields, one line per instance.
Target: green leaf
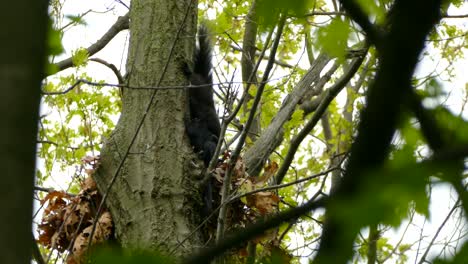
pixel 54 41
pixel 51 68
pixel 373 10
pixel 116 256
pixel 268 10
pixel 454 128
pixel 434 88
pixel 80 57
pixel 77 19
pixel 333 38
pixel 80 152
pixel 386 196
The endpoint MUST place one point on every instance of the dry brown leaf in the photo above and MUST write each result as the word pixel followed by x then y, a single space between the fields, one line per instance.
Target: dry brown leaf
pixel 239 169
pixel 83 208
pixel 59 242
pixel 219 173
pixel 68 220
pixel 53 195
pixel 91 160
pixel 45 235
pixel 264 202
pixel 88 184
pixel 103 232
pixel 243 252
pixel 72 220
pixel 268 172
pixel 71 259
pixel 79 249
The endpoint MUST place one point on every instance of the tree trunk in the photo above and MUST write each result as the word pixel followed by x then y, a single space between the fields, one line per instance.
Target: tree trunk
pixel 248 64
pixel 22 61
pixel 153 200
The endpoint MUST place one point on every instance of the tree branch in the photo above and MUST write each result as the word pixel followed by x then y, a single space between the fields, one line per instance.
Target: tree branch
pixel 44 189
pixel 284 185
pixel 252 231
pixel 36 253
pixel 455 206
pixel 257 54
pixel 272 136
pixel 358 15
pixel 374 235
pixel 122 23
pixel 326 14
pixel 433 134
pixel 454 16
pixel 399 54
pixel 227 179
pixel 110 66
pixel 331 93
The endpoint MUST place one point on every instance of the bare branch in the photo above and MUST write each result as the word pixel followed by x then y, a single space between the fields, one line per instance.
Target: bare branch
pixel 36 252
pixel 73 22
pixel 122 23
pixel 398 56
pixel 454 16
pixel 358 15
pixel 110 66
pixel 254 230
pixel 272 135
pixel 326 14
pixel 279 186
pixel 331 93
pixel 225 189
pixel 455 206
pixel 44 189
pixel 80 81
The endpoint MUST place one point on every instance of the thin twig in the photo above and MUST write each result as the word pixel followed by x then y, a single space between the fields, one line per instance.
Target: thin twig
pixel 358 15
pixel 73 21
pixel 49 190
pixel 227 179
pixel 36 252
pixel 110 66
pixel 179 87
pixel 455 206
pixel 280 186
pixel 277 62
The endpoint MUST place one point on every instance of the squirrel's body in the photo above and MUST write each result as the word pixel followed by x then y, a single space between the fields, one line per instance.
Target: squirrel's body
pixel 203 127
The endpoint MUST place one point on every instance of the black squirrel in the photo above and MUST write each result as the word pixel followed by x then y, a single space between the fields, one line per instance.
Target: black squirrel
pixel 203 127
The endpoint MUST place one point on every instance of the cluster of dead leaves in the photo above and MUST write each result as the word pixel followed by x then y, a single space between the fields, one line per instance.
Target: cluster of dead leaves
pixel 254 204
pixel 262 203
pixel 68 219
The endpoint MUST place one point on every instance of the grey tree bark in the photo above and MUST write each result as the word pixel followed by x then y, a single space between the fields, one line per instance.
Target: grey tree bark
pixel 248 65
pixel 272 136
pixel 153 200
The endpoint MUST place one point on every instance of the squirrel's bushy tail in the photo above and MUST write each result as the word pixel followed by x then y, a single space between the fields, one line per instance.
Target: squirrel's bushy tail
pixel 202 63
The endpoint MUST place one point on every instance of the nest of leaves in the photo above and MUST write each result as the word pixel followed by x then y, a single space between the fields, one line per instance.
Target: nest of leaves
pixel 252 202
pixel 68 219
pixel 249 202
